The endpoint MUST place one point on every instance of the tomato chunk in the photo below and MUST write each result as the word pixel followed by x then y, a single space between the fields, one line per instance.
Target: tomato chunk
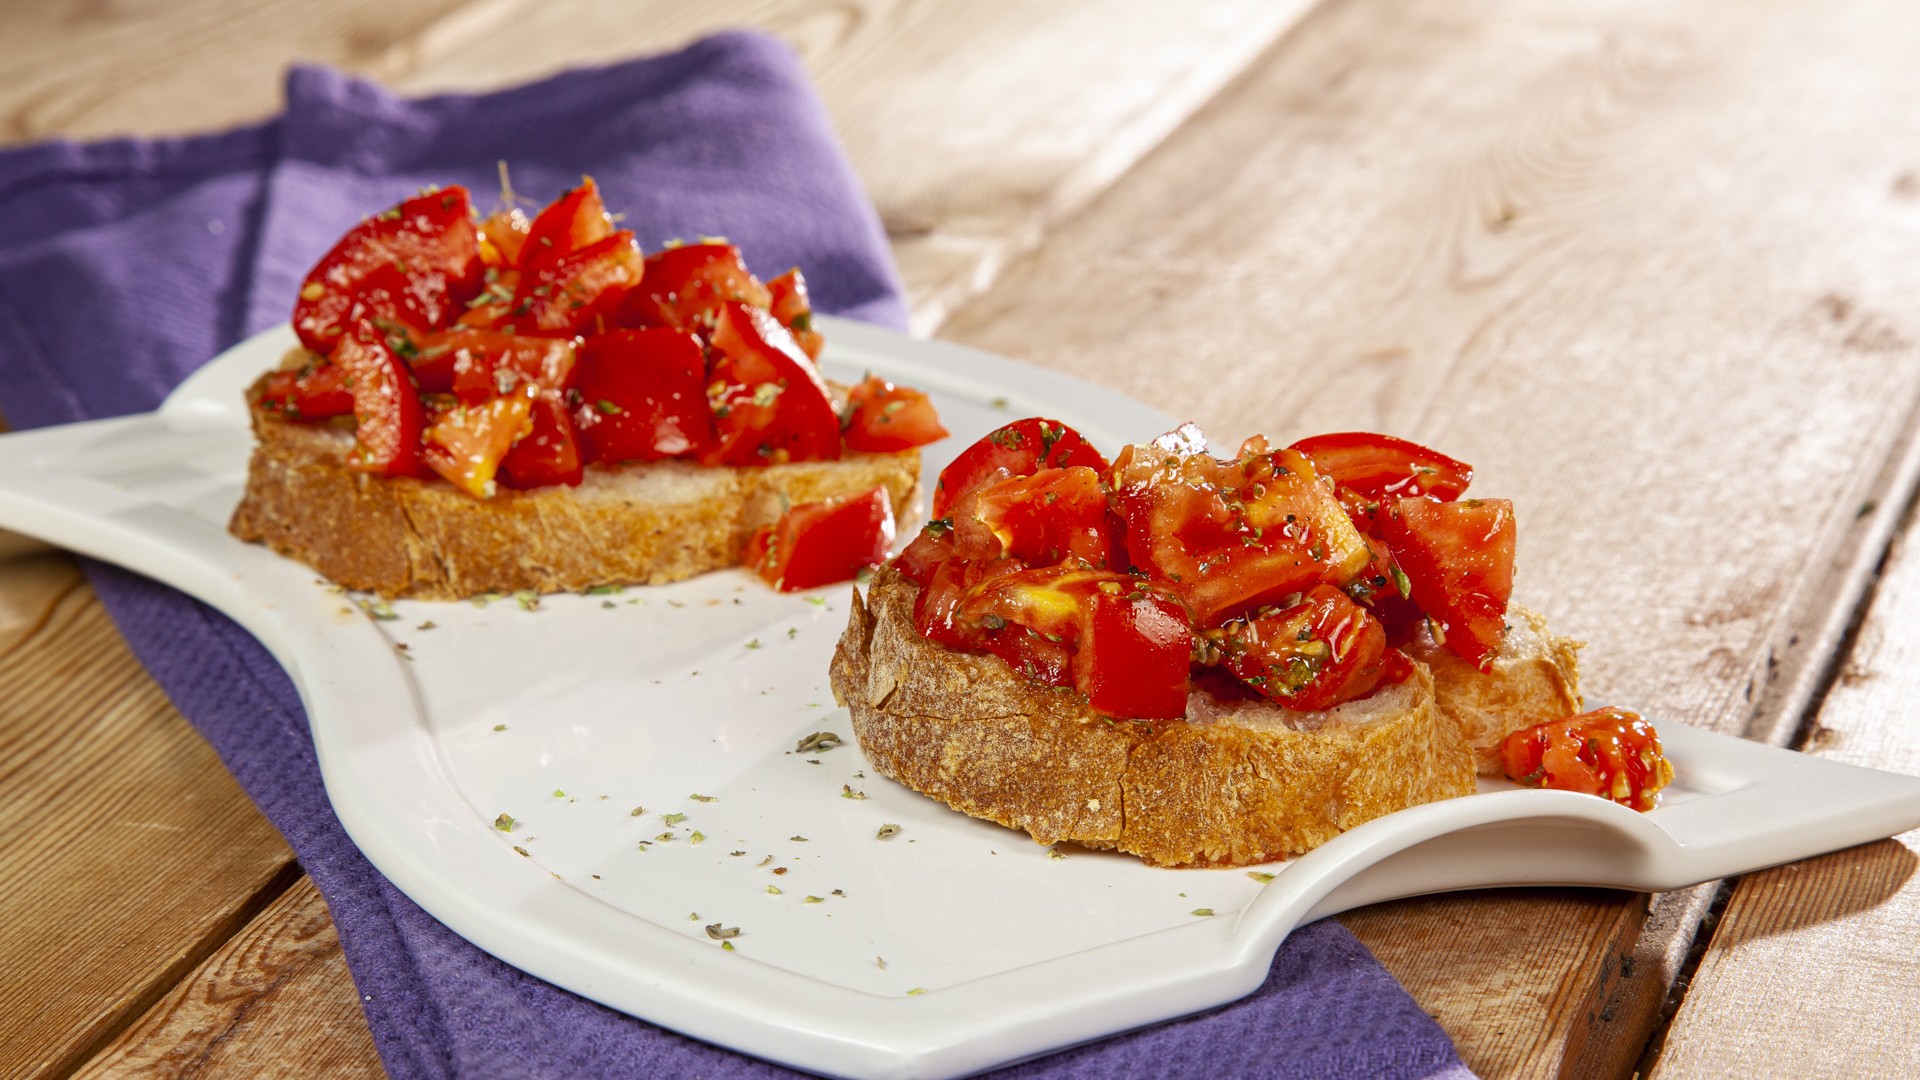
pixel 475 365
pixel 643 396
pixel 819 543
pixel 387 414
pixel 413 265
pixel 576 220
pixel 1232 535
pixel 1458 558
pixel 1314 655
pixel 1022 448
pixel 502 234
pixel 317 391
pixel 686 286
pixel 884 418
pixel 1053 516
pixel 769 403
pixel 1134 656
pixel 1380 466
pixel 1608 752
pixel 549 452
pixel 790 303
pixel 467 442
pixel 578 292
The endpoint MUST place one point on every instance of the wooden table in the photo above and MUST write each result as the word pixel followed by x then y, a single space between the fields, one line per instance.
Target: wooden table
pixel 1654 269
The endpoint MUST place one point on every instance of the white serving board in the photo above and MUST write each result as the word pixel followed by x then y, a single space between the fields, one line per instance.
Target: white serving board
pixel 570 716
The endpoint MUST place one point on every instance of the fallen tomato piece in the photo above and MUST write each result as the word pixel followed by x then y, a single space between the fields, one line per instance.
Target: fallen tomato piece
pixel 1021 448
pixel 1608 752
pixel 388 417
pixel 819 543
pixel 415 264
pixel 884 418
pixel 643 396
pixel 1458 559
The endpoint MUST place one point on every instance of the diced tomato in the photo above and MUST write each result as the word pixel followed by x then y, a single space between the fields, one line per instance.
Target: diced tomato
pixel 317 391
pixel 386 408
pixel 1380 466
pixel 475 365
pixel 1134 655
pixel 819 543
pixel 1458 558
pixel 1385 591
pixel 884 418
pixel 549 452
pixel 1319 653
pixel 1231 535
pixel 686 285
pixel 573 222
pixel 768 401
pixel 1022 448
pixel 790 303
pixel 643 396
pixel 1608 752
pixel 467 442
pixel 414 265
pixel 491 307
pixel 578 292
pixel 1053 516
pixel 501 236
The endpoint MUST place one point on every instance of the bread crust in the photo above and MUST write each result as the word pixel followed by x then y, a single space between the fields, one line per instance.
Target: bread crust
pixel 1230 786
pixel 1534 678
pixel 627 525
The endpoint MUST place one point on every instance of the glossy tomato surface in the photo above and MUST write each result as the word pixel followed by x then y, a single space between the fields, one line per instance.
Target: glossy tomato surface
pixel 577 293
pixel 819 543
pixel 1318 653
pixel 388 418
pixel 884 418
pixel 1021 448
pixel 1134 655
pixel 686 285
pixel 413 266
pixel 1053 516
pixel 793 306
pixel 549 451
pixel 643 396
pixel 317 391
pixel 466 443
pixel 573 222
pixel 1608 752
pixel 1458 559
pixel 769 403
pixel 1381 466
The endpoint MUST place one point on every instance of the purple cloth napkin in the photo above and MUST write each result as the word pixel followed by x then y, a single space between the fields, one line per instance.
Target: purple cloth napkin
pixel 125 264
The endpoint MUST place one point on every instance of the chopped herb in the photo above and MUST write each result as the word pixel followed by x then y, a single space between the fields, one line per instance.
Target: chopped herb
pixel 377 608
pixel 727 945
pixel 880 962
pixel 753 644
pixel 773 890
pixel 665 837
pixel 1203 911
pixel 696 797
pixel 998 403
pixel 428 625
pixel 1056 854
pixel 818 742
pixel 916 991
pixel 939 527
pixel 673 819
pixel 1260 876
pixel 504 823
pixel 847 792
pixel 817 601
pixel 722 933
pixel 606 590
pixel 499 727
pixel 887 832
pixel 527 599
pixel 696 837
pixel 637 811
pixel 814 900
pixel 798 839
pixel 1401 582
pixel 522 851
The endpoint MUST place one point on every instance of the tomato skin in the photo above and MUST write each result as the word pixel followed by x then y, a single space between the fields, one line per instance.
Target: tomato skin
pixel 502 234
pixel 573 222
pixel 414 265
pixel 643 396
pixel 549 452
pixel 768 401
pixel 1134 656
pixel 315 392
pixel 475 365
pixel 819 543
pixel 578 292
pixel 387 413
pixel 1321 652
pixel 466 443
pixel 883 418
pixel 685 287
pixel 1022 448
pixel 1608 752
pixel 791 304
pixel 1378 467
pixel 1231 535
pixel 1458 558
pixel 1053 516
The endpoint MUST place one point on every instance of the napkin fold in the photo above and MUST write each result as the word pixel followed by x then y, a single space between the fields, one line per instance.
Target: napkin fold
pixel 125 264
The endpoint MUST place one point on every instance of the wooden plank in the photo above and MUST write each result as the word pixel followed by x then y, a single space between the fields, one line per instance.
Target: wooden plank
pixel 130 852
pixel 1581 249
pixel 280 983
pixel 1818 955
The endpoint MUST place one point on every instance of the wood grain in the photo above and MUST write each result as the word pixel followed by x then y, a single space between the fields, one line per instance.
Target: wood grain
pixel 1521 233
pixel 1820 953
pixel 280 982
pixel 130 852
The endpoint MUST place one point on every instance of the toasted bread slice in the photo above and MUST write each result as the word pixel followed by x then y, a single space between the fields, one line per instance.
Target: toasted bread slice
pixel 630 524
pixel 1231 785
pixel 1534 678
